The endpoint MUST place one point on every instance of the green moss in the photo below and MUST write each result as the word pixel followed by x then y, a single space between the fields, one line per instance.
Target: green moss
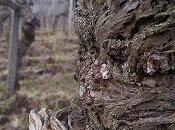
pixel 23 121
pixel 171 8
pixel 162 27
pixel 2 87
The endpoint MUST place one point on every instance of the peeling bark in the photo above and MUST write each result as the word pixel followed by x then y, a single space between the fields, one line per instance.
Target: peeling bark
pixel 126 65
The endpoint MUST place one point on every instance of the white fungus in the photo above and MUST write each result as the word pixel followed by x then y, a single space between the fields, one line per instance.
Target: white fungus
pixel 104 71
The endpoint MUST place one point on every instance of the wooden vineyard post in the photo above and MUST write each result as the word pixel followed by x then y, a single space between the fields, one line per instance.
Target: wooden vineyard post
pixel 1 29
pixel 13 52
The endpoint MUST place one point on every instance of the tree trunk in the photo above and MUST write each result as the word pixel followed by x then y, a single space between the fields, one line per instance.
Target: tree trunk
pixel 125 70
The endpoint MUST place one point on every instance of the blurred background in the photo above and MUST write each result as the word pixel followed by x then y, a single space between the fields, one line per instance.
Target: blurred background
pixel 46 75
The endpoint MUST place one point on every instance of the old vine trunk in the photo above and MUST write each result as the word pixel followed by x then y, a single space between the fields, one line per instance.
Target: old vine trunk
pixel 125 70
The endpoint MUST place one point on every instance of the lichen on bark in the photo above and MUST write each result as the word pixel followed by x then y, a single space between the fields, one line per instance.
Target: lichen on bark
pixel 126 65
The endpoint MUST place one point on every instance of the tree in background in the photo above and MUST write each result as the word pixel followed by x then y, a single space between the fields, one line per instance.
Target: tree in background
pixel 17 44
pixel 51 12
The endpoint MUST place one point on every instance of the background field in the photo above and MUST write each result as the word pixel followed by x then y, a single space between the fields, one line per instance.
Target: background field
pixel 46 78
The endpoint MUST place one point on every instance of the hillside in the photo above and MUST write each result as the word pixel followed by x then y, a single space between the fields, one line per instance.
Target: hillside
pixel 46 78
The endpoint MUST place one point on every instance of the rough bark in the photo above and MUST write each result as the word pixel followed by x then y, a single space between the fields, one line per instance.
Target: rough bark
pixel 125 69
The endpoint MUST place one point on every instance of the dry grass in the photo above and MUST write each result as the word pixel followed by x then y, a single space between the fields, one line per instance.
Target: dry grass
pixel 48 77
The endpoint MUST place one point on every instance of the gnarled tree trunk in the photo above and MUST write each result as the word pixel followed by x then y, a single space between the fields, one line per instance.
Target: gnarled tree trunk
pixel 125 69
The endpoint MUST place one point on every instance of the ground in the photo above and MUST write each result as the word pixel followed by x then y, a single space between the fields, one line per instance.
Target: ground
pixel 46 78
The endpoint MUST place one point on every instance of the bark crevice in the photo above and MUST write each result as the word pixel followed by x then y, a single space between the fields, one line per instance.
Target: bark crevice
pixel 129 78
